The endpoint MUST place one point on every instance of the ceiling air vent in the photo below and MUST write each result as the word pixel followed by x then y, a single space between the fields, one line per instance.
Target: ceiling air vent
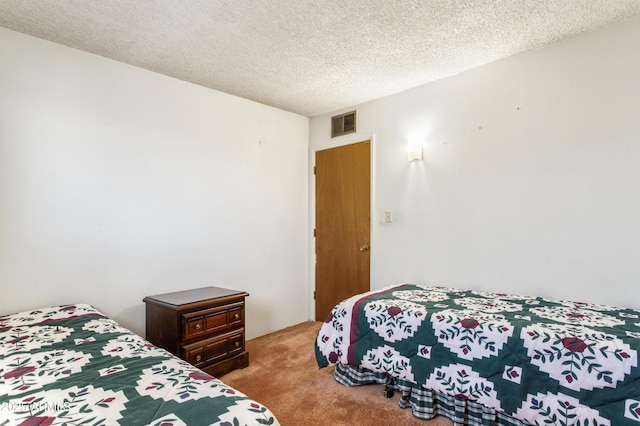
pixel 343 124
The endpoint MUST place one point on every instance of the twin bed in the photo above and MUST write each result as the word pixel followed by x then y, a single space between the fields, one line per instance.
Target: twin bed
pixel 72 365
pixel 482 358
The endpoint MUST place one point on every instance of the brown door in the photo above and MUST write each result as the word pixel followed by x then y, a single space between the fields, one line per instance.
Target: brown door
pixel 343 208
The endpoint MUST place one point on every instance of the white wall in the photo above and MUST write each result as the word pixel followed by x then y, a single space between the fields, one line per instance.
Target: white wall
pixel 117 183
pixel 531 177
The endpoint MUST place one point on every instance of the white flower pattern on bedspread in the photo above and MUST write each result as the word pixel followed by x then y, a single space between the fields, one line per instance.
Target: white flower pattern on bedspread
pixel 335 346
pixel 102 326
pixel 488 305
pixel 387 360
pixel 18 339
pixel 545 409
pixel 230 418
pixel 576 314
pixel 461 380
pixel 166 382
pixel 394 319
pixel 25 372
pixel 505 296
pixel 421 295
pixel 45 315
pixel 471 334
pixel 579 358
pixel 127 346
pixel 171 420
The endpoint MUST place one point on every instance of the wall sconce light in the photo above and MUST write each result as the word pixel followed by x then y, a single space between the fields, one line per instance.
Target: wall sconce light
pixel 415 153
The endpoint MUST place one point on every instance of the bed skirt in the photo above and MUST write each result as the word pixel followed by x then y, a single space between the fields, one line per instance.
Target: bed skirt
pixel 426 404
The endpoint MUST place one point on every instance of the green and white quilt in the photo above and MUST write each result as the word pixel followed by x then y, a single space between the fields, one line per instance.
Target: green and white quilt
pixel 72 365
pixel 522 360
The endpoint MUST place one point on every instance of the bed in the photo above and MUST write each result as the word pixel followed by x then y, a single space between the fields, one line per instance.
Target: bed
pixel 481 358
pixel 72 365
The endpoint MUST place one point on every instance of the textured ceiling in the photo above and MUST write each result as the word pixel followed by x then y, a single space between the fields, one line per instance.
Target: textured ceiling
pixel 305 56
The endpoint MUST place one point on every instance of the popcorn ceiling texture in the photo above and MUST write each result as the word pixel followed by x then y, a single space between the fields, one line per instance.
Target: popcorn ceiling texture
pixel 309 57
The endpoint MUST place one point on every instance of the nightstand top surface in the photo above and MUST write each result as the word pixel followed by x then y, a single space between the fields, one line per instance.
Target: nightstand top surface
pixel 184 297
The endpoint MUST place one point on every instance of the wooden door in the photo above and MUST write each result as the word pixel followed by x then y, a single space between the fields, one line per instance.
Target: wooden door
pixel 343 209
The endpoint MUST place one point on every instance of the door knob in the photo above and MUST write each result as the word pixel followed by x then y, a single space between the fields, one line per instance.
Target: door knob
pixel 364 248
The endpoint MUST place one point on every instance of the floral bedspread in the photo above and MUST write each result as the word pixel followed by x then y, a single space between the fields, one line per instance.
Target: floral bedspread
pixel 72 365
pixel 537 360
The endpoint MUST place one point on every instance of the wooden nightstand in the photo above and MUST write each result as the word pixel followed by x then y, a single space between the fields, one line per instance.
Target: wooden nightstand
pixel 204 326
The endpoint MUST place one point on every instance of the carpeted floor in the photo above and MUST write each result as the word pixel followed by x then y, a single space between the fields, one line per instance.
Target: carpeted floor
pixel 284 376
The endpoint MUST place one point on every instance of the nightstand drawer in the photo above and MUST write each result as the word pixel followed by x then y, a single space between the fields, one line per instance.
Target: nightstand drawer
pixel 214 349
pixel 213 320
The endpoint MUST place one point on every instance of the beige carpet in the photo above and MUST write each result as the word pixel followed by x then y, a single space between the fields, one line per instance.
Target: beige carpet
pixel 284 376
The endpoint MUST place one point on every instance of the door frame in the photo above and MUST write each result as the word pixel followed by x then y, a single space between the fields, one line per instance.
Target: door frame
pixel 343 141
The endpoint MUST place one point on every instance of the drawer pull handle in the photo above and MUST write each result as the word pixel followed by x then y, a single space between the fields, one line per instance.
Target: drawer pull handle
pixel 198 358
pixel 198 327
pixel 236 317
pixel 237 344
